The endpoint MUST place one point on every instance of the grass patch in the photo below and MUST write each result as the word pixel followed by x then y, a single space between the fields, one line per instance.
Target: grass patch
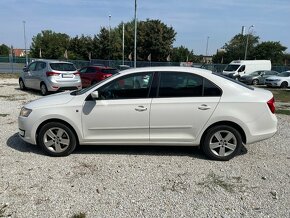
pixel 4 115
pixel 212 181
pixel 79 215
pixel 281 111
pixel 280 95
pixel 9 75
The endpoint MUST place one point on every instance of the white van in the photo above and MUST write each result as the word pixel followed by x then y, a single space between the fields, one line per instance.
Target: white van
pixel 239 68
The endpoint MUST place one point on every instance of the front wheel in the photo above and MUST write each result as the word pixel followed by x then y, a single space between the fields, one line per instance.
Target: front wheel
pixel 22 85
pixel 57 139
pixel 222 143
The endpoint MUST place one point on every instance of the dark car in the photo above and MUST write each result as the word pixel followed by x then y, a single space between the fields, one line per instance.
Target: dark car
pixel 257 77
pixel 93 74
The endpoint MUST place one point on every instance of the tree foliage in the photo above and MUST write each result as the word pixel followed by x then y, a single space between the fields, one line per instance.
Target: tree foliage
pixel 182 54
pixel 4 50
pixel 153 37
pixel 52 45
pixel 235 50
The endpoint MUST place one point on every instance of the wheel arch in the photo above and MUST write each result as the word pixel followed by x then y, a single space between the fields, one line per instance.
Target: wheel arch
pixel 227 123
pixel 55 120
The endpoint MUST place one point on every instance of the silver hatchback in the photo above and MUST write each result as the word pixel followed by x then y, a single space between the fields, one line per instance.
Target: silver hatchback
pixel 50 76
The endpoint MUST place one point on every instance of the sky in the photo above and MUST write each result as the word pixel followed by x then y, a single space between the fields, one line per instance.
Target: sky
pixel 194 21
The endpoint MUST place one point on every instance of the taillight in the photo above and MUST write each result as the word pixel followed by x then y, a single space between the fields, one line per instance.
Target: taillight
pixel 77 74
pixel 271 105
pixel 105 76
pixel 52 74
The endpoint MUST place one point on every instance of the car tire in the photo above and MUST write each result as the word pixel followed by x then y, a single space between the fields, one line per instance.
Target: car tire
pixel 43 89
pixel 22 85
pixel 57 139
pixel 284 85
pixel 222 143
pixel 255 82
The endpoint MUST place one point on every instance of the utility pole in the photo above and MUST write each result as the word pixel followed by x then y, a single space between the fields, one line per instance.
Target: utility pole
pixel 135 35
pixel 247 43
pixel 26 57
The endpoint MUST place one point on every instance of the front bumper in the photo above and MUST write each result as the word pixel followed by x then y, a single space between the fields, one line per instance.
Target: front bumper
pixel 25 130
pixel 273 83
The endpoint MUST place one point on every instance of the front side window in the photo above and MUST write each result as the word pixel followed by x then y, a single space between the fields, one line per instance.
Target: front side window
pixel 242 68
pixel 31 67
pixel 40 66
pixel 127 87
pixel 177 84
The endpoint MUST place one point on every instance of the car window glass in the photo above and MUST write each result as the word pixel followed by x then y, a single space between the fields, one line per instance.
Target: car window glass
pixel 127 87
pixel 177 84
pixel 62 66
pixel 83 70
pixel 242 68
pixel 32 66
pixel 40 66
pixel 91 70
pixel 210 89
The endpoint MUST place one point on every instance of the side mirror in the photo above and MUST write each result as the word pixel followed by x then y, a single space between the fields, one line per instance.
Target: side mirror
pixel 95 95
pixel 25 69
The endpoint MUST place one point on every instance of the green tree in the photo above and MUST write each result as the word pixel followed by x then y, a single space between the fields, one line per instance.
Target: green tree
pixel 52 44
pixel 182 54
pixel 4 50
pixel 269 50
pixel 235 48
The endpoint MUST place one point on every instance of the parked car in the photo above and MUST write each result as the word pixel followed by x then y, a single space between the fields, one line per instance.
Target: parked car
pixel 50 76
pixel 257 77
pixel 281 80
pixel 93 74
pixel 177 106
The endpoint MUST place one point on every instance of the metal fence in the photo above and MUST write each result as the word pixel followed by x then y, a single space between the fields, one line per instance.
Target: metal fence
pixel 16 64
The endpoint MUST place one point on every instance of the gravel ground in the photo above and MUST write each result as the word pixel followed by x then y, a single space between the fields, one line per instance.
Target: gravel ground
pixel 111 181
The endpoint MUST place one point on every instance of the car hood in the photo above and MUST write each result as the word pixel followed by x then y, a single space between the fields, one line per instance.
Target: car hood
pixel 51 100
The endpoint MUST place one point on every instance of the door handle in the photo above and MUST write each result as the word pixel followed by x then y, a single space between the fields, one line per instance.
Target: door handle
pixel 203 107
pixel 141 108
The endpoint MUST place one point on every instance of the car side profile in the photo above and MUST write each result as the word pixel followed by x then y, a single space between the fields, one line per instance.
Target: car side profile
pixel 50 76
pixel 93 74
pixel 171 106
pixel 257 77
pixel 281 80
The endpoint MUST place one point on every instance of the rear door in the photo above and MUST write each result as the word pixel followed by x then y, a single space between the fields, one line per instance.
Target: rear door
pixel 184 104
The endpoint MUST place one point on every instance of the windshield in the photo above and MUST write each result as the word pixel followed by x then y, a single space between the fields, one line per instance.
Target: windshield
pixel 109 71
pixel 284 74
pixel 232 67
pixel 63 66
pixel 84 90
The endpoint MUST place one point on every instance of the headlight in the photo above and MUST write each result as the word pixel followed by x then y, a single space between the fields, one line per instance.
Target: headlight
pixel 25 112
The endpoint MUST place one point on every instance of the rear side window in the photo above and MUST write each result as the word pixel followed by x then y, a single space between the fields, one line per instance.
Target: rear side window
pixel 177 84
pixel 62 66
pixel 109 71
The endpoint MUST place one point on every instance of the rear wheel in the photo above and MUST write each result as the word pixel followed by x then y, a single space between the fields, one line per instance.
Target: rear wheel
pixel 222 143
pixel 22 85
pixel 255 82
pixel 284 84
pixel 43 89
pixel 57 139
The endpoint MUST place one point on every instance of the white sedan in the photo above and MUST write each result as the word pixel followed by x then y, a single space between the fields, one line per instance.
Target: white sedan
pixel 175 106
pixel 281 80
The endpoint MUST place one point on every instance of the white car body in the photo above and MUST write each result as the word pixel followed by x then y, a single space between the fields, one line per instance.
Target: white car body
pixel 154 121
pixel 279 81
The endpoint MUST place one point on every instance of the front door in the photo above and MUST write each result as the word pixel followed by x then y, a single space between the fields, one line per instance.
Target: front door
pixel 121 114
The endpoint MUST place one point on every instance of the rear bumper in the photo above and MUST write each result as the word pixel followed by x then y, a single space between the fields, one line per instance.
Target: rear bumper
pixel 57 86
